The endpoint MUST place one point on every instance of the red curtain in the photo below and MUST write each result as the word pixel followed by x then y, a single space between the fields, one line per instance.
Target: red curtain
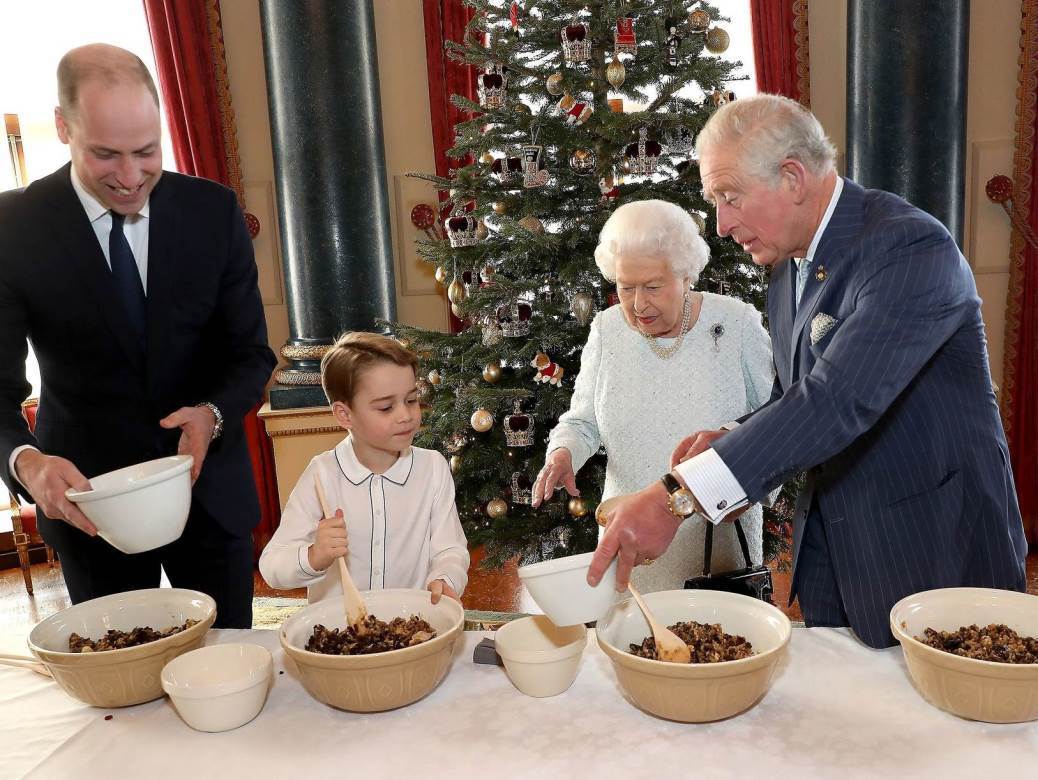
pixel 187 38
pixel 445 20
pixel 780 48
pixel 1020 375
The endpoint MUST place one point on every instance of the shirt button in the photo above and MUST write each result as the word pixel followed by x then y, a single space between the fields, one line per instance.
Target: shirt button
pixel 377 572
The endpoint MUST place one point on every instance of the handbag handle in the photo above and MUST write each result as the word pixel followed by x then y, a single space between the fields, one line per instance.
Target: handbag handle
pixel 708 546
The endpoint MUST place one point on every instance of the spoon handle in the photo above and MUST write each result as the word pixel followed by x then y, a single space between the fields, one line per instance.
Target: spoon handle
pixel 353 604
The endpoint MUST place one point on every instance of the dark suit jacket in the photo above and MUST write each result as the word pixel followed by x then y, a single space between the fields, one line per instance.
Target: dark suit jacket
pixel 102 397
pixel 891 413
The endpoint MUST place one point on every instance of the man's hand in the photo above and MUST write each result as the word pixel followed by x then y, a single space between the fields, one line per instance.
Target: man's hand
pixel 197 424
pixel 639 527
pixel 47 477
pixel 439 588
pixel 692 445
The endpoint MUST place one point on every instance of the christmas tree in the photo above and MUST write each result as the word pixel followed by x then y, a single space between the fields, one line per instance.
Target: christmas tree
pixel 549 152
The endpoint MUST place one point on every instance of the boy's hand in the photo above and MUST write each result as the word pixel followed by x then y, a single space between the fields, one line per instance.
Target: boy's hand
pixel 440 588
pixel 331 543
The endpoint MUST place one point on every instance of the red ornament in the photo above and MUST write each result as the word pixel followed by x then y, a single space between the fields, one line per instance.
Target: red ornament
pixel 252 223
pixel 422 216
pixel 999 188
pixel 513 17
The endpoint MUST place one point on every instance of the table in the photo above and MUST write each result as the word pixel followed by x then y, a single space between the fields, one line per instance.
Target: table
pixel 836 709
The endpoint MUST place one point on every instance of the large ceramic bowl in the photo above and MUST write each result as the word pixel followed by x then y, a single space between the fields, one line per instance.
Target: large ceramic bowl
pixel 140 507
pixel 219 687
pixel 978 690
pixel 560 588
pixel 379 681
pixel 695 693
pixel 119 678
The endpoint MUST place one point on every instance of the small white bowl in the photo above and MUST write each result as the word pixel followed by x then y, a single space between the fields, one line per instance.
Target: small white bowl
pixel 219 687
pixel 142 507
pixel 540 658
pixel 560 588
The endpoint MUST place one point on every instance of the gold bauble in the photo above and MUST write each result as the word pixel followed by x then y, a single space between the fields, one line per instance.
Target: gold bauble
pixel 616 73
pixel 500 207
pixel 577 507
pixel 487 158
pixel 554 84
pixel 456 292
pixel 699 20
pixel 532 224
pixel 455 464
pixel 492 372
pixel 482 420
pixel 434 377
pixel 441 274
pixel 457 311
pixel 625 166
pixel 424 389
pixel 481 230
pixel 522 108
pixel 497 508
pixel 717 40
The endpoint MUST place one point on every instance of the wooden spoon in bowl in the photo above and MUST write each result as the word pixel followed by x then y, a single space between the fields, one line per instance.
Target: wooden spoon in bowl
pixel 669 646
pixel 351 600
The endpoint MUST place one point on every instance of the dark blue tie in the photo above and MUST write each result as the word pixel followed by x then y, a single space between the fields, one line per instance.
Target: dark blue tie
pixel 127 277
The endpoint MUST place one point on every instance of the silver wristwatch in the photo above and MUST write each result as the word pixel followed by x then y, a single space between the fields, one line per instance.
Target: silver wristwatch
pixel 218 427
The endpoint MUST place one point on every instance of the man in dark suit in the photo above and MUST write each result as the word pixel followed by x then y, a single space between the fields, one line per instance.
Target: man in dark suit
pixel 882 393
pixel 138 290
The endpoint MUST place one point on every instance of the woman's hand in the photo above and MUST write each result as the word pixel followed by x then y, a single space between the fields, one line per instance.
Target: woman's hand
pixel 692 445
pixel 331 542
pixel 558 470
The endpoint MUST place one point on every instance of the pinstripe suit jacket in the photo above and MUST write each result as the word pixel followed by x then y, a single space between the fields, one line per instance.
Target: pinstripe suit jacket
pixel 891 413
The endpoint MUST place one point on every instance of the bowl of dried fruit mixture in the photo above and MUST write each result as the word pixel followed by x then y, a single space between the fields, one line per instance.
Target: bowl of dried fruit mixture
pixel 109 651
pixel 736 643
pixel 401 653
pixel 972 651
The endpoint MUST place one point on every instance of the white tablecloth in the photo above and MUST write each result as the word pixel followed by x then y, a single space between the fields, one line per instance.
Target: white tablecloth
pixel 836 709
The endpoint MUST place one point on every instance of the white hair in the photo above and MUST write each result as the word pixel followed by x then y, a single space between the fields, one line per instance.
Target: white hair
pixel 652 228
pixel 768 129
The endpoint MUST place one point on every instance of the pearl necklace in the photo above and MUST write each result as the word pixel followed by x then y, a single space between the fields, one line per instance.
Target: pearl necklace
pixel 666 353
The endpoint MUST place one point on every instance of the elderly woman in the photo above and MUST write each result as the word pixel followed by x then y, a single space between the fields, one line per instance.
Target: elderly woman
pixel 668 360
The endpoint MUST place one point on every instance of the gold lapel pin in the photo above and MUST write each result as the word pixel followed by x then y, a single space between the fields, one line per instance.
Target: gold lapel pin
pixel 821 273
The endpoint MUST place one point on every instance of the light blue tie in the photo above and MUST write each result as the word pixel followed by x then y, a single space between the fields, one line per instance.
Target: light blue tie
pixel 803 269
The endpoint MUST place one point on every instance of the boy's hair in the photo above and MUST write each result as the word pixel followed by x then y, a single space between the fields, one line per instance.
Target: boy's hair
pixel 354 352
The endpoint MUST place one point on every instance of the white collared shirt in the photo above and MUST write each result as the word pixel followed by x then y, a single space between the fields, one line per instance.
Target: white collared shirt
pixel 402 525
pixel 706 475
pixel 135 228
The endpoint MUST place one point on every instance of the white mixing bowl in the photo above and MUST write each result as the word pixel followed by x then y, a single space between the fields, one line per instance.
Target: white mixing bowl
pixel 219 687
pixel 560 588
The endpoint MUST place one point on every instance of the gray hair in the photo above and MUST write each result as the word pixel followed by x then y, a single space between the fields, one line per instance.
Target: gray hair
pixel 652 228
pixel 768 129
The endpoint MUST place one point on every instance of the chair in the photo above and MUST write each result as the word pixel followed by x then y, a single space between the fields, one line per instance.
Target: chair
pixel 23 516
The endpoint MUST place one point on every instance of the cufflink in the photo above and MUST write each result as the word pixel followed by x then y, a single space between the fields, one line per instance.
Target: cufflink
pixel 722 504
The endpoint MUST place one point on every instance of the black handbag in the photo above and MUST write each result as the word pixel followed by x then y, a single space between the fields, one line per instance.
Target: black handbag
pixel 753 581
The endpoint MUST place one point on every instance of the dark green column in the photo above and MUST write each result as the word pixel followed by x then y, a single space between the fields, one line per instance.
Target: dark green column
pixel 907 66
pixel 330 170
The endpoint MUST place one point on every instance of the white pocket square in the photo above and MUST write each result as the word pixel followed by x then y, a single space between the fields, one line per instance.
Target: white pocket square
pixel 821 325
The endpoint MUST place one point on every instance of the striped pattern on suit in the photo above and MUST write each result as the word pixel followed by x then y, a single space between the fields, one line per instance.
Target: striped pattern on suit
pixel 892 415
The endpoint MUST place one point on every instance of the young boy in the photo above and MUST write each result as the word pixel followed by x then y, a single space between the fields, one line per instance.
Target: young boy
pixel 395 521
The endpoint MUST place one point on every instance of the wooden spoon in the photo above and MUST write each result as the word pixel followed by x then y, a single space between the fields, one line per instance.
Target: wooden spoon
pixel 669 646
pixel 24 662
pixel 352 603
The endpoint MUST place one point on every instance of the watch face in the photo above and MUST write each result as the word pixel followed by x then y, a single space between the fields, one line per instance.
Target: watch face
pixel 683 502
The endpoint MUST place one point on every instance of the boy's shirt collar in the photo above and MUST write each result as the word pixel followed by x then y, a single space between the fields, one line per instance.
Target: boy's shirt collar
pixel 356 472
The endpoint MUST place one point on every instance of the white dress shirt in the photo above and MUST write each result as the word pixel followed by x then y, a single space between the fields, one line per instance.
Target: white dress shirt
pixel 135 228
pixel 706 475
pixel 402 525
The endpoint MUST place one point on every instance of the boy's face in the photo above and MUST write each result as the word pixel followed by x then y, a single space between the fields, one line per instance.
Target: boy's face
pixel 384 413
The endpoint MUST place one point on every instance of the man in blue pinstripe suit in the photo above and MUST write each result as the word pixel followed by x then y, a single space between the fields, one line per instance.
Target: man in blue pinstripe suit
pixel 882 392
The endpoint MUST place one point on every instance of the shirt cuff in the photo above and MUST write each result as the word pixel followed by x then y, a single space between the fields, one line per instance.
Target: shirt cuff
pixel 713 484
pixel 14 456
pixel 304 562
pixel 730 426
